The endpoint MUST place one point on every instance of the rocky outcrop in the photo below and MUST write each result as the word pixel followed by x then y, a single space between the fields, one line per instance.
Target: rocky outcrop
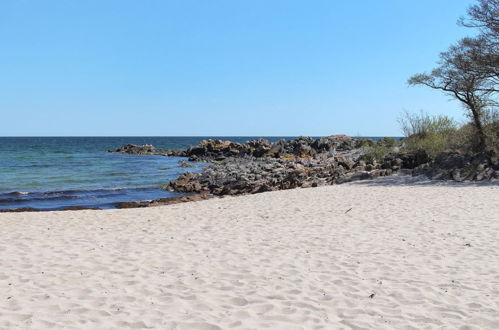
pixel 163 201
pixel 405 160
pixel 258 165
pixel 145 149
pixel 31 209
pixel 236 176
pixel 218 150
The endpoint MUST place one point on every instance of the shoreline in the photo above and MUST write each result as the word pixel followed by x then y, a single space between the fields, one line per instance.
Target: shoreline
pixel 258 165
pixel 394 179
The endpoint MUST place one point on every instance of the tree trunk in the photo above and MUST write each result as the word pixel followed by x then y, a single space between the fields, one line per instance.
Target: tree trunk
pixel 482 144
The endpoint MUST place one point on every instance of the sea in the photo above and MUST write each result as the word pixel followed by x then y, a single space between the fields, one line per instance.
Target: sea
pixel 54 173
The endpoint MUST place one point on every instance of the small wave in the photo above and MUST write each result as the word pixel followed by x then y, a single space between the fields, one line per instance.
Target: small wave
pixel 16 193
pixel 19 200
pixel 22 196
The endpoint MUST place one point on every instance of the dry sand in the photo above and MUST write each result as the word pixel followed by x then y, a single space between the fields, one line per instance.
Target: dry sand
pixel 368 255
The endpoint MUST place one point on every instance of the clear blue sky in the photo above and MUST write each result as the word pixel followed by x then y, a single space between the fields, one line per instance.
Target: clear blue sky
pixel 220 67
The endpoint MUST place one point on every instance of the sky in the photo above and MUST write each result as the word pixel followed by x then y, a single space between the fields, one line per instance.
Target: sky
pixel 220 67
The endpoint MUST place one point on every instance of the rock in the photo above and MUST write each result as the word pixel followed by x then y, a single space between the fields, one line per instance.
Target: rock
pixel 412 160
pixel 451 160
pixel 355 177
pixel 135 149
pixel 21 209
pixel 128 205
pixel 258 165
pixel 459 167
pixel 346 162
pixel 184 164
pixel 79 208
pixel 69 208
pixel 163 201
pixel 208 150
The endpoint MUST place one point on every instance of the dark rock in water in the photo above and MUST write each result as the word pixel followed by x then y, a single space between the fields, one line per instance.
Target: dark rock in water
pixel 136 149
pixel 184 164
pixel 128 205
pixel 79 208
pixel 30 209
pixel 163 201
pixel 208 150
pixel 21 209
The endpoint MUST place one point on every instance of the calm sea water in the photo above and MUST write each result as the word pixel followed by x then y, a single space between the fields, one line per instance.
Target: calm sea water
pixel 51 173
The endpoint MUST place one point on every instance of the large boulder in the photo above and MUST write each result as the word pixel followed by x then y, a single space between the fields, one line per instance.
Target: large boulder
pixel 413 159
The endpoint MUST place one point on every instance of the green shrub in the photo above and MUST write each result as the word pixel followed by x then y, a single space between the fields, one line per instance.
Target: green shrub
pixel 465 139
pixel 375 153
pixel 423 124
pixel 436 134
pixel 387 142
pixel 363 142
pixel 491 129
pixel 431 133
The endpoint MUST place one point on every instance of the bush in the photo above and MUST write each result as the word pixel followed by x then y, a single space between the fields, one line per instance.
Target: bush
pixel 387 142
pixel 465 139
pixel 491 128
pixel 363 142
pixel 375 153
pixel 423 124
pixel 434 134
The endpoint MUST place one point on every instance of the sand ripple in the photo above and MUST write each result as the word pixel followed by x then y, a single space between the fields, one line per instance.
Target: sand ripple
pixel 412 256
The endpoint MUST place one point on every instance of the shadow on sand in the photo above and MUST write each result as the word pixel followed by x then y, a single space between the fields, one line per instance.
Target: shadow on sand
pixel 414 181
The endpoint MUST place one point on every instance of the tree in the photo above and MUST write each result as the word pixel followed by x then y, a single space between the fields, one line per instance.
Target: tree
pixel 485 16
pixel 469 70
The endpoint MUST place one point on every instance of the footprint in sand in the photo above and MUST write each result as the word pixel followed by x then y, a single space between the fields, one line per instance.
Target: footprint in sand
pixel 238 301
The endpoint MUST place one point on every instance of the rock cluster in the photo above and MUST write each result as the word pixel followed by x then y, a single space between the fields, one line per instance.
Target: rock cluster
pixel 163 201
pixel 258 166
pixel 209 150
pixel 459 167
pixel 145 149
pixel 235 176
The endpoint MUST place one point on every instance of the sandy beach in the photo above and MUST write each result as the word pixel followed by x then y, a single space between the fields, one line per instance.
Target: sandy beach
pixel 395 253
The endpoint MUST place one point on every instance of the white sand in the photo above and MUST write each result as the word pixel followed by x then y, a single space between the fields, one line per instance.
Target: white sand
pixel 411 256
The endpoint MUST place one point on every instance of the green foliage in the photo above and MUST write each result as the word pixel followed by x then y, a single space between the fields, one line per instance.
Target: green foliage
pixel 387 142
pixel 432 143
pixel 436 134
pixel 362 142
pixel 423 124
pixel 375 153
pixel 464 139
pixel 431 133
pixel 491 129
